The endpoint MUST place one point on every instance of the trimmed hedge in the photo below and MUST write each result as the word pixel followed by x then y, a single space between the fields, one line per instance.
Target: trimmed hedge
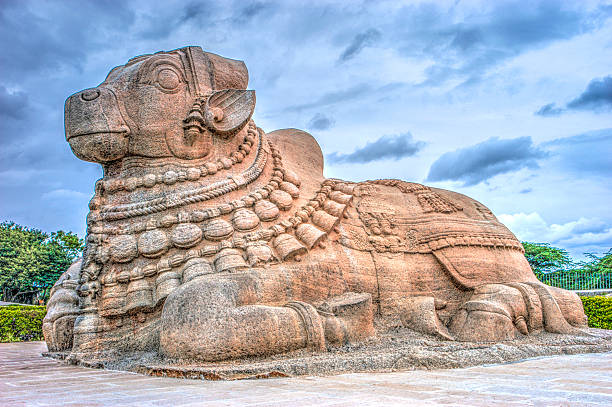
pixel 599 311
pixel 21 323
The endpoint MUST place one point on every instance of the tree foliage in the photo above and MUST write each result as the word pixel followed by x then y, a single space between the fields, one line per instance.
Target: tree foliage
pixel 554 266
pixel 599 264
pixel 31 260
pixel 544 258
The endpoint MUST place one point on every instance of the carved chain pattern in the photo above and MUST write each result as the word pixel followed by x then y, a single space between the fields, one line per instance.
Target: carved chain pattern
pixel 96 233
pixel 191 174
pixel 264 236
pixel 188 197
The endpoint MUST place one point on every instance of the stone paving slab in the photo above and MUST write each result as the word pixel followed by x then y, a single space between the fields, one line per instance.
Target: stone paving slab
pixel 28 379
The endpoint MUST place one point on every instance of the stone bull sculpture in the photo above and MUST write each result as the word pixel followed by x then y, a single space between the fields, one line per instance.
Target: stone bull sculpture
pixel 209 239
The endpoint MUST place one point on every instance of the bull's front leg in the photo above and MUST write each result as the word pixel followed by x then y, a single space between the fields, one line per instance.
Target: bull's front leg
pixel 213 318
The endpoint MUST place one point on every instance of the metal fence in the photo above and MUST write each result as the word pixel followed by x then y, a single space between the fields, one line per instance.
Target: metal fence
pixel 577 280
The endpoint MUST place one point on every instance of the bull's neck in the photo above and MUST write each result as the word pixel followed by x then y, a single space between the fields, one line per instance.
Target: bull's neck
pixel 171 186
pixel 143 172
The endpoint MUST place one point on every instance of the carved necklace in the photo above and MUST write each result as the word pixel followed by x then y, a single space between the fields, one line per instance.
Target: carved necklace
pixel 288 239
pixel 199 194
pixel 190 174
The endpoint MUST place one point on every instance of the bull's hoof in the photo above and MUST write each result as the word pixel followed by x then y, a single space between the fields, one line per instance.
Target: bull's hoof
pixel 348 318
pixel 420 314
pixel 58 333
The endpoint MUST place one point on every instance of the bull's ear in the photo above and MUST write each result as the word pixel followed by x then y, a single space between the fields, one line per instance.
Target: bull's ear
pixel 228 110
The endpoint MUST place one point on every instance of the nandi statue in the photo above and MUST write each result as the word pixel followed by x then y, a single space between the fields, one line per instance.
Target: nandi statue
pixel 209 239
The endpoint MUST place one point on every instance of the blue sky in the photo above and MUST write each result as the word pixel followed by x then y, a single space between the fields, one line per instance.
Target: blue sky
pixel 509 102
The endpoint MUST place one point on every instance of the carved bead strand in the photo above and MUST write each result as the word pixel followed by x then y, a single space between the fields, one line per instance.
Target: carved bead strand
pixel 191 174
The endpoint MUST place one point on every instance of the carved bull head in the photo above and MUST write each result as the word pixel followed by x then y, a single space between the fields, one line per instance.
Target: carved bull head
pixel 170 104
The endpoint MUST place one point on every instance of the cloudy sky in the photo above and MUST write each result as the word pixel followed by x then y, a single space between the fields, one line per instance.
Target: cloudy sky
pixel 507 102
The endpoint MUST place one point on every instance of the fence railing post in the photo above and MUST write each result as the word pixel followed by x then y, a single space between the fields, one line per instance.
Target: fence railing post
pixel 577 280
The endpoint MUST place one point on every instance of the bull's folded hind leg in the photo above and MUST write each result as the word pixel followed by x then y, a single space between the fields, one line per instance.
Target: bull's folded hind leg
pixel 562 310
pixel 498 312
pixel 495 312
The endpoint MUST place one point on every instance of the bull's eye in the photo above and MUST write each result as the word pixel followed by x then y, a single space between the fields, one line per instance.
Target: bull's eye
pixel 168 79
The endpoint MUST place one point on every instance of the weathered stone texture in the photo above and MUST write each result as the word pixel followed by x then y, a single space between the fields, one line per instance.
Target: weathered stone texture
pixel 209 239
pixel 27 379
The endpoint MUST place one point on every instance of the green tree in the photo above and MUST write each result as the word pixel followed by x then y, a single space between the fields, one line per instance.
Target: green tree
pixel 544 258
pixel 31 260
pixel 598 264
pixel 554 266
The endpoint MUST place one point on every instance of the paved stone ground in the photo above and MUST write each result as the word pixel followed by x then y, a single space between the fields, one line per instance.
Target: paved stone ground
pixel 27 379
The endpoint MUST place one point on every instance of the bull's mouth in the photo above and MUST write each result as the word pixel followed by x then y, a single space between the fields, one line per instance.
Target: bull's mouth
pixel 123 132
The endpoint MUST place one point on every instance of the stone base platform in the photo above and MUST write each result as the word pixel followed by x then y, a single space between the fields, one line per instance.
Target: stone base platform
pixel 398 350
pixel 27 379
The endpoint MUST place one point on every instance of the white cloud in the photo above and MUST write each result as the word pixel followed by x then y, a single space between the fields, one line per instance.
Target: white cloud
pixel 579 236
pixel 454 74
pixel 65 194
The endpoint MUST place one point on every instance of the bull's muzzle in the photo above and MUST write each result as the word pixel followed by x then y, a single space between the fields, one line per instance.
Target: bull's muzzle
pixel 95 128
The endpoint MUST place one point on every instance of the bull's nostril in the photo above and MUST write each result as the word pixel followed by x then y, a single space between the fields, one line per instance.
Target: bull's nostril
pixel 90 95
